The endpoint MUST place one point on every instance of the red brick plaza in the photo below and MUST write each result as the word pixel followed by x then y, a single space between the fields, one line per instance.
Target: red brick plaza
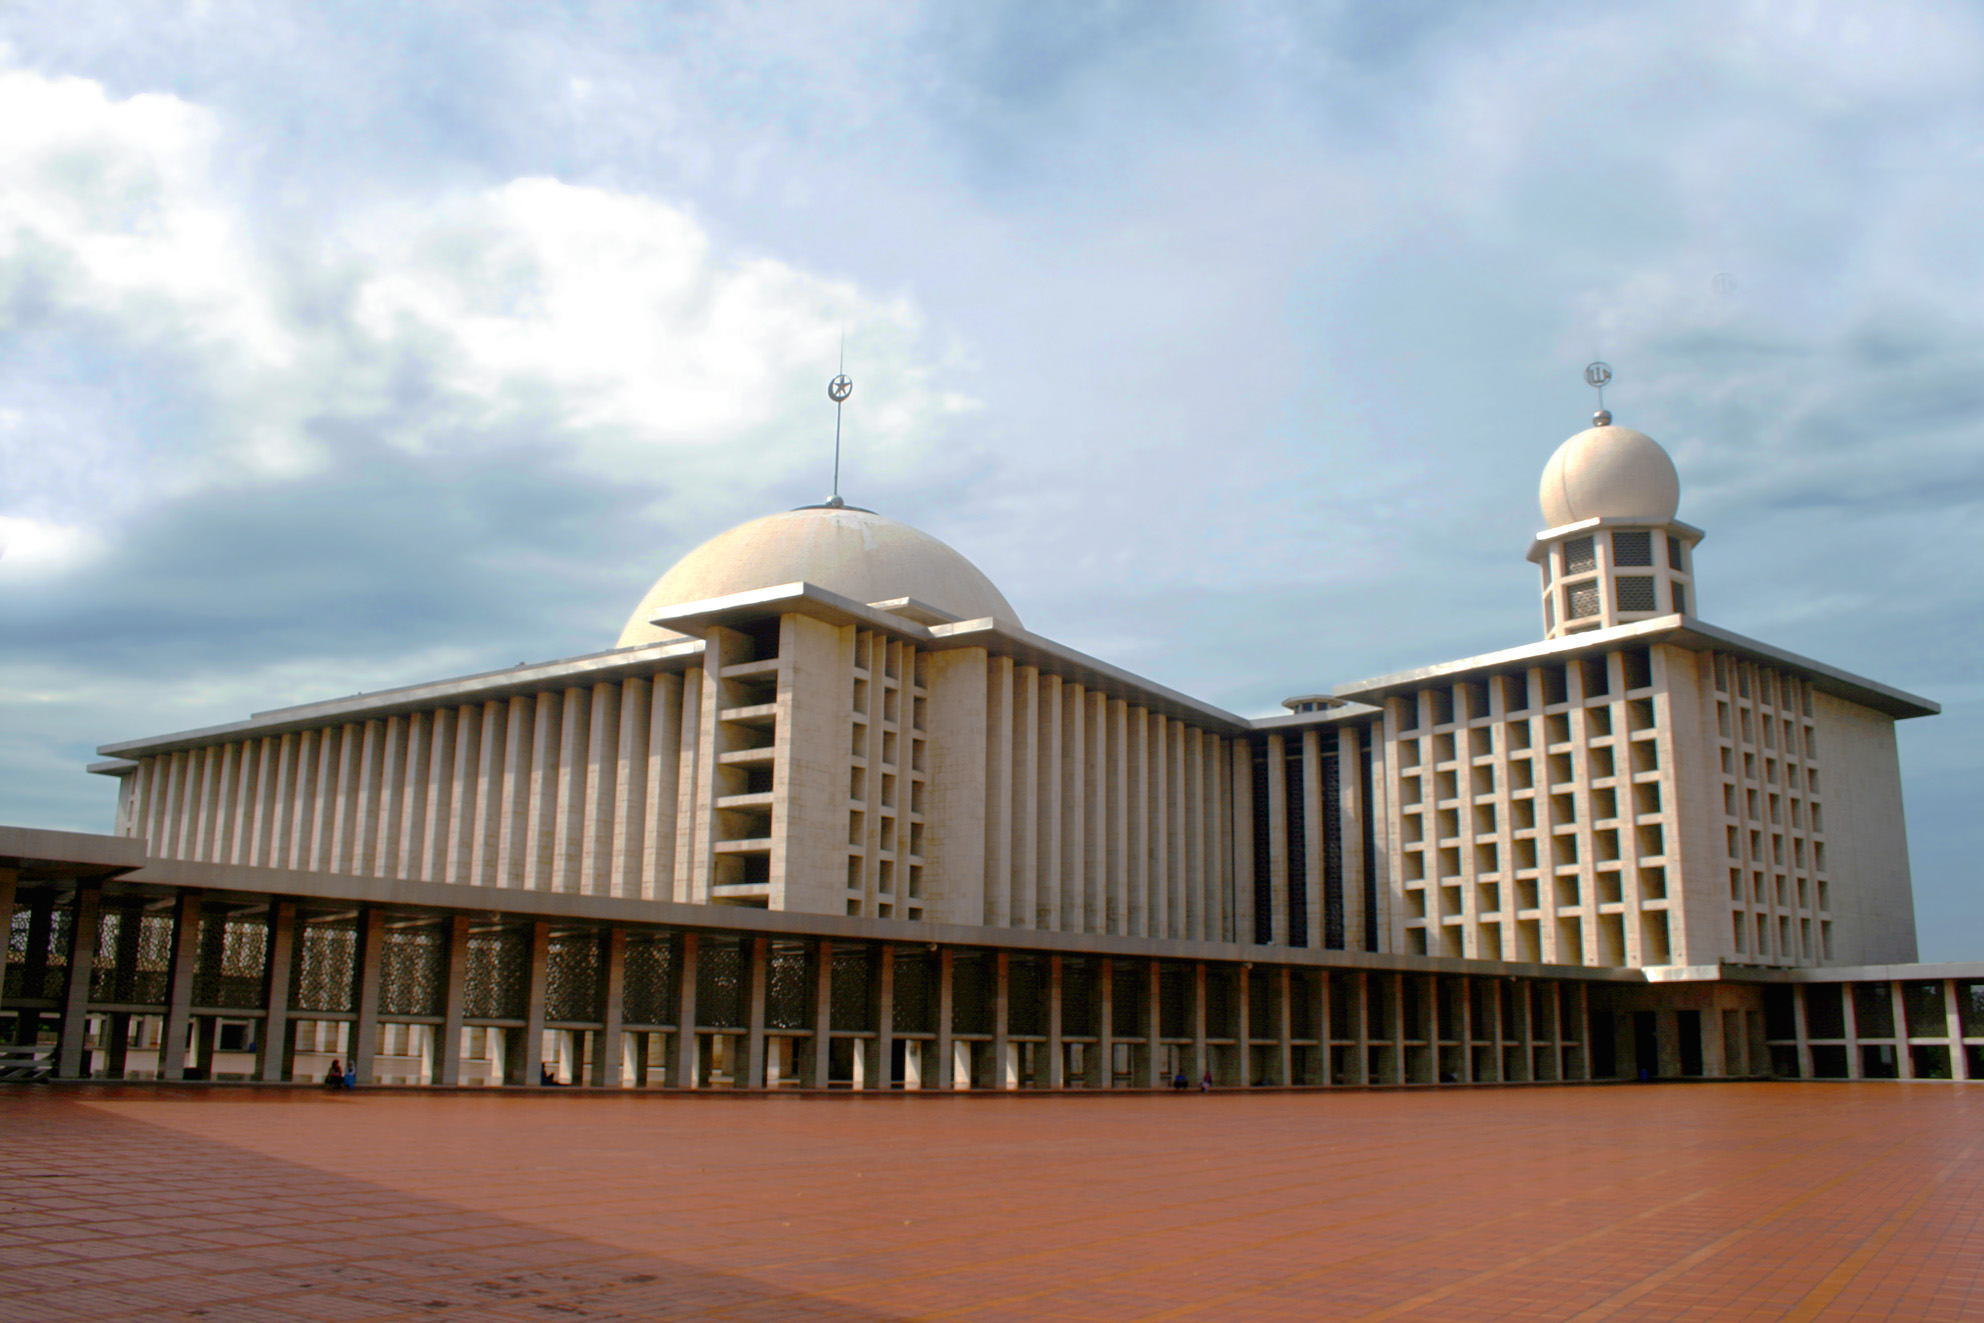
pixel 1740 1201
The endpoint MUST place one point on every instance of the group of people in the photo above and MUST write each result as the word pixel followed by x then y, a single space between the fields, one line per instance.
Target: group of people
pixel 341 1077
pixel 1179 1082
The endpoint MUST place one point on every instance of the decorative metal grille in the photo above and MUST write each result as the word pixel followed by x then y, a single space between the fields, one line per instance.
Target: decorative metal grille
pixel 720 971
pixel 1296 834
pixel 1923 1004
pixel 1632 548
pixel 1635 592
pixel 233 956
pixel 17 951
pixel 971 995
pixel 498 975
pixel 413 969
pixel 648 988
pixel 1673 552
pixel 1174 1000
pixel 1301 1004
pixel 1263 859
pixel 915 1008
pixel 1580 555
pixel 1260 1004
pixel 1970 1008
pixel 852 1011
pixel 1219 1002
pixel 326 965
pixel 1873 1010
pixel 571 976
pixel 1026 996
pixel 133 955
pixel 1077 998
pixel 1332 855
pixel 1582 600
pixel 1127 997
pixel 788 986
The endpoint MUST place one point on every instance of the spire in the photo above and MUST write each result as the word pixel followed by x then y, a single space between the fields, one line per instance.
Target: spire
pixel 1595 376
pixel 838 390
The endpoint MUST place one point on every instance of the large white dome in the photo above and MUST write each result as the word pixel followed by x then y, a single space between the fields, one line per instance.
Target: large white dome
pixel 854 553
pixel 1609 471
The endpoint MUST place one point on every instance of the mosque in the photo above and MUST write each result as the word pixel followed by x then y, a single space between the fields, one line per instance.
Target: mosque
pixel 829 815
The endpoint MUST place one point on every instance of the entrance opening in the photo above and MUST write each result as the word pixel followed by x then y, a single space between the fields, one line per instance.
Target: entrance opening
pixel 1646 1044
pixel 1689 1024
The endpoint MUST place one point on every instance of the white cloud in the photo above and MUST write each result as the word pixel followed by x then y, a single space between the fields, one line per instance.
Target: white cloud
pixel 602 324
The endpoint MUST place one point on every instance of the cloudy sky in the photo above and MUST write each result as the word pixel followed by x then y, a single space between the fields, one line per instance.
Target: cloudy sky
pixel 354 345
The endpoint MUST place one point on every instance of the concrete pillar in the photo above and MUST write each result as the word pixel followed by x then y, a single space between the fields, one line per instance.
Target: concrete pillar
pixel 1715 1052
pixel 1284 1025
pixel 823 1016
pixel 1360 1012
pixel 882 1014
pixel 682 1070
pixel 1243 1025
pixel 208 1027
pixel 1201 1055
pixel 117 1044
pixel 1102 1070
pixel 454 1002
pixel 1849 1010
pixel 1003 1066
pixel 1324 1001
pixel 72 1060
pixel 1803 1030
pixel 946 1060
pixel 1953 1022
pixel 1581 999
pixel 532 1063
pixel 1151 1013
pixel 1904 1059
pixel 371 952
pixel 179 983
pixel 1667 1043
pixel 273 1065
pixel 1057 1066
pixel 608 1060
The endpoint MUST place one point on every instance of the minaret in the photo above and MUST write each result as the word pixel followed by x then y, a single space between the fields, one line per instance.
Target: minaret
pixel 1612 552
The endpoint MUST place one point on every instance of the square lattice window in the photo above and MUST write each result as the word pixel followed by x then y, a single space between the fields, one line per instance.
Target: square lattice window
pixel 1580 555
pixel 1581 600
pixel 1635 592
pixel 1632 548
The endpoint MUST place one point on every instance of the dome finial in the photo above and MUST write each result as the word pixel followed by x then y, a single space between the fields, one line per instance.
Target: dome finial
pixel 838 390
pixel 1596 374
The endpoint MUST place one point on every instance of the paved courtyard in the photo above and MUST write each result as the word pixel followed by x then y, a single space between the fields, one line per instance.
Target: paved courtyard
pixel 1779 1201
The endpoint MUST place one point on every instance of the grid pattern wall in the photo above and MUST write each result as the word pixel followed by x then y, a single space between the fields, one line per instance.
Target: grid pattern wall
pixel 1298 892
pixel 1773 815
pixel 1533 816
pixel 888 781
pixel 1581 592
pixel 1101 815
pixel 566 790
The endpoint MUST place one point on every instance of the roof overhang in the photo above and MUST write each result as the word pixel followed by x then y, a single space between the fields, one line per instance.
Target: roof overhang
pixel 1676 630
pixel 36 855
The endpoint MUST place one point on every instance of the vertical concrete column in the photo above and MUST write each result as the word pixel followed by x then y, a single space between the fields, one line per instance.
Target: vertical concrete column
pixel 682 1070
pixel 1953 1029
pixel 1904 1059
pixel 883 1016
pixel 607 1061
pixel 1284 1027
pixel 1526 1027
pixel 1003 1068
pixel 946 1002
pixel 9 880
pixel 179 984
pixel 1803 1031
pixel 1102 1070
pixel 1360 1010
pixel 117 1047
pixel 454 1006
pixel 203 1052
pixel 371 952
pixel 1582 1000
pixel 531 1060
pixel 1497 989
pixel 1323 1001
pixel 1395 1024
pixel 1057 1066
pixel 1466 1028
pixel 1715 1051
pixel 818 1072
pixel 1849 1011
pixel 1201 1054
pixel 1151 1013
pixel 273 1065
pixel 72 1060
pixel 1243 1025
